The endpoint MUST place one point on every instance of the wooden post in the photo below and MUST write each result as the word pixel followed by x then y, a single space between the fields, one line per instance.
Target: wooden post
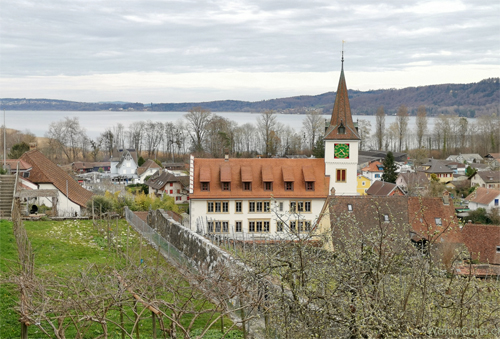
pixel 153 317
pixel 122 323
pixel 136 321
pixel 222 324
pixel 24 331
pixel 244 323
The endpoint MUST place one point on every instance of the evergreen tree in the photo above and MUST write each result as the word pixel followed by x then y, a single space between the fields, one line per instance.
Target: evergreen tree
pixel 18 149
pixel 140 161
pixel 390 168
pixel 319 148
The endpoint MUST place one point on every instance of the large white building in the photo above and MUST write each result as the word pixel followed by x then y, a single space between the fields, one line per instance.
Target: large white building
pixel 270 198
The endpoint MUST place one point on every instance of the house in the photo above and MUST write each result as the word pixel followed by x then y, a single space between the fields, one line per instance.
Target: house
pixel 422 219
pixel 486 198
pixel 382 188
pixel 147 169
pixel 373 171
pixel 165 182
pixel 363 184
pixel 493 160
pixel 124 166
pixel 457 168
pixel 71 198
pixel 439 168
pixel 413 183
pixel 471 158
pixel 263 198
pixel 483 242
pixel 13 165
pixel 80 167
pixel 487 179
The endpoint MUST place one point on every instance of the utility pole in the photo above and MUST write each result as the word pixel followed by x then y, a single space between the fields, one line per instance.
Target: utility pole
pixel 4 143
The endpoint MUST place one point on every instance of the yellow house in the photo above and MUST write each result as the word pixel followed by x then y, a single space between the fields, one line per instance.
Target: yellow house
pixel 364 183
pixel 439 168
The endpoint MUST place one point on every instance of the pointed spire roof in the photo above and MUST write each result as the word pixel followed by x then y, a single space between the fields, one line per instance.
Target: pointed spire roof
pixel 341 125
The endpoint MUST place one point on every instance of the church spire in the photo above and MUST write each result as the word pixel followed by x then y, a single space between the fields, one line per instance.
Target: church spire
pixel 341 124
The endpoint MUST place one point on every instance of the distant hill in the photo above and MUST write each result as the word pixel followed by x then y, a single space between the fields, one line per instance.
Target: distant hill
pixel 462 99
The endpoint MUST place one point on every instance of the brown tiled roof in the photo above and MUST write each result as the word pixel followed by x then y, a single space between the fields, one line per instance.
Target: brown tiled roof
pixel 341 114
pixel 267 174
pixel 308 173
pixel 417 178
pixel 384 188
pixel 147 165
pixel 45 171
pixel 159 180
pixel 12 164
pixel 373 167
pixel 225 173
pixel 483 195
pixel 481 241
pixel 492 177
pixel 253 170
pixel 404 212
pixel 438 166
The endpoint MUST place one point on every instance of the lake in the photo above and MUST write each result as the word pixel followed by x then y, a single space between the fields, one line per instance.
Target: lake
pixel 96 122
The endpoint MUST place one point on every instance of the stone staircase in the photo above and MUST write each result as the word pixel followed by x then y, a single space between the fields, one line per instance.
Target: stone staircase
pixel 7 184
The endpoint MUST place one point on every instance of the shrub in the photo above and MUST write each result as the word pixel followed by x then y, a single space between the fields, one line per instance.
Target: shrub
pixel 102 204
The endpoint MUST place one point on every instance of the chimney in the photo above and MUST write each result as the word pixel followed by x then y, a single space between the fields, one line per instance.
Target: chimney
pixel 226 154
pixel 32 146
pixel 332 191
pixel 446 197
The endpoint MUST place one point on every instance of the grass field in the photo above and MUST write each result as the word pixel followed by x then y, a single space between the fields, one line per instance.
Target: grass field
pixel 66 250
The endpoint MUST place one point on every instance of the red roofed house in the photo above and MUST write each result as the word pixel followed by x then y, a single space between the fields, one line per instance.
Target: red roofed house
pixel 72 198
pixel 147 169
pixel 252 196
pixel 483 242
pixel 373 171
pixel 382 188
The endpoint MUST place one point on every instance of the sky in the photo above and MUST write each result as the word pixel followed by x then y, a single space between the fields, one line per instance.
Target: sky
pixel 194 51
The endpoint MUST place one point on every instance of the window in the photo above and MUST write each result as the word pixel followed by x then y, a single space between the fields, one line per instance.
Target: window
pixel 309 185
pixel 362 183
pixel 205 186
pixel 258 226
pixel 496 202
pixel 171 191
pixel 498 249
pixel 226 186
pixel 210 226
pixel 300 206
pixel 178 191
pixel 281 206
pixel 377 175
pixel 341 175
pixel 279 226
pixel 288 186
pixel 238 206
pixel 304 226
pixel 178 198
pixel 128 164
pixel 218 206
pixel 225 226
pixel 217 226
pixel 247 186
pixel 171 184
pixel 386 217
pixel 124 171
pixel 268 186
pixel 438 221
pixel 292 225
pixel 349 207
pixel 238 226
pixel 259 206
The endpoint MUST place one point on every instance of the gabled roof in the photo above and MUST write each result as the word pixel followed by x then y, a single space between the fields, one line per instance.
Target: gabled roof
pixel 483 195
pixel 341 114
pixel 437 166
pixel 374 166
pixel 147 165
pixel 45 171
pixel 492 177
pixel 383 188
pixel 12 164
pixel 414 178
pixel 277 170
pixel 481 241
pixel 427 218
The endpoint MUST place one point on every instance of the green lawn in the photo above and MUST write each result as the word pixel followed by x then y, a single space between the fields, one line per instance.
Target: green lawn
pixel 66 249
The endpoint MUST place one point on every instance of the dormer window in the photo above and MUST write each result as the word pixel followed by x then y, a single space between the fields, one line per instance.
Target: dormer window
pixel 226 186
pixel 268 186
pixel 341 128
pixel 349 207
pixel 386 217
pixel 288 185
pixel 205 186
pixel 247 186
pixel 309 185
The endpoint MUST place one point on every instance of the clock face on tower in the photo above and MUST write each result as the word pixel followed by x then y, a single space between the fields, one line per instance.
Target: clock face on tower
pixel 341 151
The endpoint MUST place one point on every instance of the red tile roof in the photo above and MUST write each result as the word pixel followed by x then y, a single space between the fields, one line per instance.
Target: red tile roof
pixel 481 241
pixel 254 171
pixel 384 188
pixel 45 171
pixel 12 163
pixel 147 165
pixel 373 167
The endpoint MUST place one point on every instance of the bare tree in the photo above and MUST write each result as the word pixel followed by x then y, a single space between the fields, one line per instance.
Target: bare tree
pixel 107 140
pixel 313 126
pixel 402 120
pixel 153 137
pixel 119 133
pixel 66 136
pixel 380 127
pixel 421 124
pixel 267 125
pixel 198 119
pixel 364 128
pixel 135 135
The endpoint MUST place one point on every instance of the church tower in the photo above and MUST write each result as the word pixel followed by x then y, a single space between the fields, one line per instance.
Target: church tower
pixel 342 144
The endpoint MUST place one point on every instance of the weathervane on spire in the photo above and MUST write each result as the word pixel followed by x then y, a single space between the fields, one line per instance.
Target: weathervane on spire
pixel 342 53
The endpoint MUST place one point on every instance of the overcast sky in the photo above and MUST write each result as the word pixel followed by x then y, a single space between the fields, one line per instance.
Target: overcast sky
pixel 186 51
